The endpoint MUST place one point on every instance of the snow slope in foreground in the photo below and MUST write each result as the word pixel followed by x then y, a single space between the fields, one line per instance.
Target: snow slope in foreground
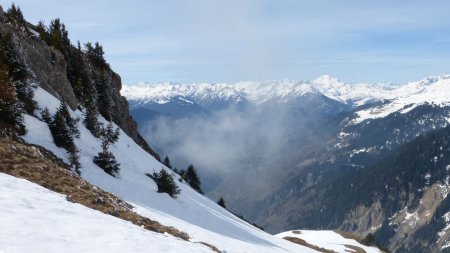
pixel 191 212
pixel 34 219
pixel 329 240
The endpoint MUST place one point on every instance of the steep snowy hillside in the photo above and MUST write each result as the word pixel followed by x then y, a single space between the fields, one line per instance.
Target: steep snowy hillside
pixel 34 219
pixel 202 219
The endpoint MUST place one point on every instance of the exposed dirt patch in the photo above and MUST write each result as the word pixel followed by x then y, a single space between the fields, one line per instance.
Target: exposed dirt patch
pixel 304 243
pixel 348 235
pixel 354 249
pixel 212 247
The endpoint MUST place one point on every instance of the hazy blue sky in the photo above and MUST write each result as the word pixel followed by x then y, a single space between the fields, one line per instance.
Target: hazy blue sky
pixel 213 41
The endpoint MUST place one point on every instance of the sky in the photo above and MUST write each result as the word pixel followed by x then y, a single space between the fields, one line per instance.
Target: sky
pixel 234 40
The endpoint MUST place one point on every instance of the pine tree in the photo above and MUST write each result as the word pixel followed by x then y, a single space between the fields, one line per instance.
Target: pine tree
pixel 96 54
pixel 109 135
pixel 42 30
pixel 10 111
pixel 221 202
pixel 64 130
pixel 167 162
pixel 105 159
pixel 58 37
pixel 17 72
pixel 16 14
pixel 10 57
pixel 78 89
pixel 107 162
pixel 75 70
pixel 91 113
pixel 104 96
pixel 71 122
pixel 65 41
pixel 165 183
pixel 16 94
pixel 192 179
pixel 45 116
pixel 74 159
pixel 54 31
pixel 61 132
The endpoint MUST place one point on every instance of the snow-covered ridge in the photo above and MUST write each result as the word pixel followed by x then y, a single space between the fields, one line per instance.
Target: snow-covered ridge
pixel 431 90
pixel 164 92
pixel 435 89
pixel 256 92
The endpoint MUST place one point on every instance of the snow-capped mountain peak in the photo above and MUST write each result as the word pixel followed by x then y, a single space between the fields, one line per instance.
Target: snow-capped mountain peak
pixel 433 89
pixel 326 79
pixel 282 91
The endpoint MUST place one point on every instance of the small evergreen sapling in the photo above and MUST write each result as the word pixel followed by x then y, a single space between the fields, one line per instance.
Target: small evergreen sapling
pixel 166 162
pixel 45 116
pixel 221 202
pixel 165 183
pixel 192 179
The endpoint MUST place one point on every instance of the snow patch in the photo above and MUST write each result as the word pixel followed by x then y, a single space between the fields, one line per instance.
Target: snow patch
pixel 441 233
pixel 357 151
pixel 329 240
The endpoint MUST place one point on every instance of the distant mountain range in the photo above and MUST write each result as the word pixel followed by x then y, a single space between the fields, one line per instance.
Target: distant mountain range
pixel 221 95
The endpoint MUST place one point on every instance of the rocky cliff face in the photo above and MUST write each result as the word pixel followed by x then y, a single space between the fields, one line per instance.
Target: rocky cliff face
pixel 46 64
pixel 48 69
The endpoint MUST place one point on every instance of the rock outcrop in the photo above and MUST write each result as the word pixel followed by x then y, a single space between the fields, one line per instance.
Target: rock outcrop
pixel 46 64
